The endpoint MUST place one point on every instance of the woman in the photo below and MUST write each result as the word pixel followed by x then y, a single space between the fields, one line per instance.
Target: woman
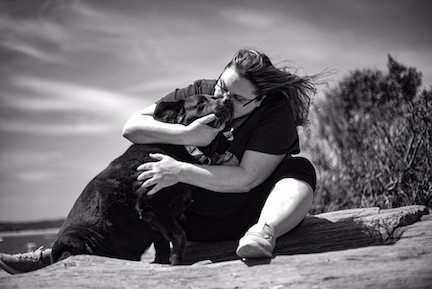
pixel 262 185
pixel 260 188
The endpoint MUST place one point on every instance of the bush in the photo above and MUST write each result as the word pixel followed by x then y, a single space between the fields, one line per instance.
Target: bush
pixel 370 141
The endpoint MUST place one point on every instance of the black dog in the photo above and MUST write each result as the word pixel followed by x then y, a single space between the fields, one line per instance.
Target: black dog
pixel 113 217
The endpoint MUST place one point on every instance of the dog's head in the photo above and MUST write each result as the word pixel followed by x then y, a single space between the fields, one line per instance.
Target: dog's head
pixel 199 105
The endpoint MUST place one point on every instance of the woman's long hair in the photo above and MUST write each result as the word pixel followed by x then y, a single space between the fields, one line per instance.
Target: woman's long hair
pixel 269 80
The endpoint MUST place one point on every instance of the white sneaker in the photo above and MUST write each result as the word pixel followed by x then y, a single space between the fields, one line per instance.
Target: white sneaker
pixel 258 242
pixel 26 262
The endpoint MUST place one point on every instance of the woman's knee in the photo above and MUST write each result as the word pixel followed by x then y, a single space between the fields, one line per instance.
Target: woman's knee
pixel 301 192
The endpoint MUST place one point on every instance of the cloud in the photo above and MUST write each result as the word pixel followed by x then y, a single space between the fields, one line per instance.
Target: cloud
pixel 14 158
pixel 47 106
pixel 33 176
pixel 63 30
pixel 55 129
pixel 27 49
pixel 27 167
pixel 56 95
pixel 250 18
pixel 40 38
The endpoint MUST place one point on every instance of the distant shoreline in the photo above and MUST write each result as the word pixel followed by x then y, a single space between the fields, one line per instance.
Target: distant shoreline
pixel 31 232
pixel 29 227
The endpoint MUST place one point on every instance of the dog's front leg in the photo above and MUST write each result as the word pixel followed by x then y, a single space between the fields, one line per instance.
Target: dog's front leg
pixel 178 244
pixel 173 233
pixel 162 248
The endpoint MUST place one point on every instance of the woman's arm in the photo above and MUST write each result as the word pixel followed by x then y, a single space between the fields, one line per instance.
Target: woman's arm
pixel 142 128
pixel 254 168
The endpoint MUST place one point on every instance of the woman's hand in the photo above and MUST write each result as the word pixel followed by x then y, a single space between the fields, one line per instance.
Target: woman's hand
pixel 199 133
pixel 161 174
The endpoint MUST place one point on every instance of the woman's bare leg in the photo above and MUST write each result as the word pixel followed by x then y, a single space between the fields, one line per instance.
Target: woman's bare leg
pixel 286 206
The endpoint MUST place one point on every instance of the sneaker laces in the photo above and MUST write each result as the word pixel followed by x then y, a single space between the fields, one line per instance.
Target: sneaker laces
pixel 35 255
pixel 265 232
pixel 258 234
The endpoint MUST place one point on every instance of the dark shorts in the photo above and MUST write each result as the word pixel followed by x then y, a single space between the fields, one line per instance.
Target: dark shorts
pixel 225 216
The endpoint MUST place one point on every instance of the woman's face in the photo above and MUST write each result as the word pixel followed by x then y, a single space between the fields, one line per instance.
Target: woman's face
pixel 239 90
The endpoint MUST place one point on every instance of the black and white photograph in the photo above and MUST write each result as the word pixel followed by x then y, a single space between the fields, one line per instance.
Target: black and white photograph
pixel 215 144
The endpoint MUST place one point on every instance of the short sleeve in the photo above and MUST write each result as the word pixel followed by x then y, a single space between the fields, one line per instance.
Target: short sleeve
pixel 275 132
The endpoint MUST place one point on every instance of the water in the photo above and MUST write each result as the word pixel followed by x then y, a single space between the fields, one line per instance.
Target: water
pixel 25 241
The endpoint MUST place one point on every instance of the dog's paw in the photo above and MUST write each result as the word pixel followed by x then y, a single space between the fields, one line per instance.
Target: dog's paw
pixel 161 261
pixel 175 260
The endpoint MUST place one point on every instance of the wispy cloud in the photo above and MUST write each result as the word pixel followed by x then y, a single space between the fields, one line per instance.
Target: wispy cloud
pixel 55 129
pixel 28 49
pixel 251 18
pixel 27 167
pixel 54 107
pixel 40 38
pixel 56 95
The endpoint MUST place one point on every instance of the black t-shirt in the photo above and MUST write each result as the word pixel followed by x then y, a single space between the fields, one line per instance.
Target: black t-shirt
pixel 270 128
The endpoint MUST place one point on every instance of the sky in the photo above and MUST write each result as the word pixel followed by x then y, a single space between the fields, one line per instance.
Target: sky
pixel 73 71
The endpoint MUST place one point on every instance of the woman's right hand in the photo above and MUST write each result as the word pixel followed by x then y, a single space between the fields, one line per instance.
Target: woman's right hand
pixel 199 133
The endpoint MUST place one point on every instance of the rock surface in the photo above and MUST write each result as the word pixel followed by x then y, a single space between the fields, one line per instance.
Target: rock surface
pixel 358 248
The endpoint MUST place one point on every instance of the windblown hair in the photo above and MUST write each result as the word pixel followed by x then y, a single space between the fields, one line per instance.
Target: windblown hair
pixel 269 80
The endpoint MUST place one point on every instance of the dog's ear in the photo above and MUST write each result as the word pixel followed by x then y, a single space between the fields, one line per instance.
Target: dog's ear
pixel 171 112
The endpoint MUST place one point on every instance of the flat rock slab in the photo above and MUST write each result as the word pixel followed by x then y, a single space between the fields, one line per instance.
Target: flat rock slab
pixel 358 248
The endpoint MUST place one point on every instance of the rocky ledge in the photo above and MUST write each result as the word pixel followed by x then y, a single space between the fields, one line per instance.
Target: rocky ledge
pixel 357 248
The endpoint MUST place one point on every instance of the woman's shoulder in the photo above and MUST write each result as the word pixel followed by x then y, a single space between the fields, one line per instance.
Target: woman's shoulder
pixel 278 112
pixel 276 105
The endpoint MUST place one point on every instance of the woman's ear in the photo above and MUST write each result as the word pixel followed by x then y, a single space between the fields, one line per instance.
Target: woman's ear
pixel 260 100
pixel 170 112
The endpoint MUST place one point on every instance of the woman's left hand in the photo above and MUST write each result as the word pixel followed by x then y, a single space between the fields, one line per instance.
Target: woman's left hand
pixel 161 174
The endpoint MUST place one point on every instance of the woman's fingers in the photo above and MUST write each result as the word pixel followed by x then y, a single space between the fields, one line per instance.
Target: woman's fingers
pixel 144 176
pixel 144 167
pixel 154 190
pixel 148 183
pixel 159 174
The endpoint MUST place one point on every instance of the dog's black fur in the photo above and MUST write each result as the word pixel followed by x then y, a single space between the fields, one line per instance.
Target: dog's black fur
pixel 114 217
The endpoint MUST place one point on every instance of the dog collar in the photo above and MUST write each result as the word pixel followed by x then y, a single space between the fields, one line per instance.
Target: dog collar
pixel 198 154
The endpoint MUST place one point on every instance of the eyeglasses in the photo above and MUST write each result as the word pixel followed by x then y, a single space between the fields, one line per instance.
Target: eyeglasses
pixel 242 100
